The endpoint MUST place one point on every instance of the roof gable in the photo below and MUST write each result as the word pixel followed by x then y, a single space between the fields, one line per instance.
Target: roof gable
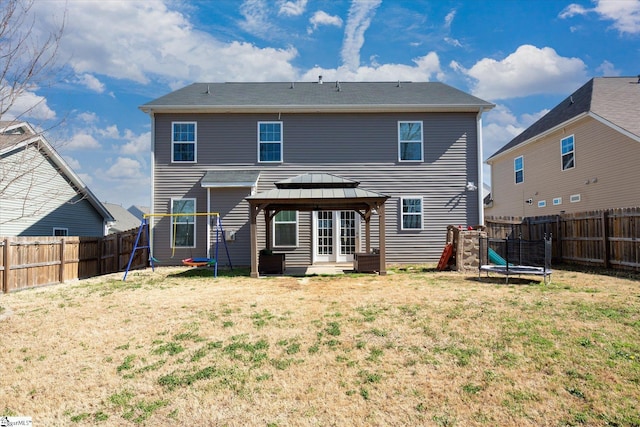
pixel 615 99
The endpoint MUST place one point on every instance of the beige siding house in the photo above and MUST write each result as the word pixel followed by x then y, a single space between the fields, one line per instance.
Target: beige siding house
pixel 583 155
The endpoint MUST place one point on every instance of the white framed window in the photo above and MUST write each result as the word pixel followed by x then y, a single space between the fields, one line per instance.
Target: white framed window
pixel 285 229
pixel 59 231
pixel 557 201
pixel 184 136
pixel 574 198
pixel 183 223
pixel 542 203
pixel 411 213
pixel 567 149
pixel 270 142
pixel 518 169
pixel 410 141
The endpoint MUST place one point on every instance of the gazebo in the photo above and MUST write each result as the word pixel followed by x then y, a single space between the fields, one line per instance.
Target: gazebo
pixel 317 192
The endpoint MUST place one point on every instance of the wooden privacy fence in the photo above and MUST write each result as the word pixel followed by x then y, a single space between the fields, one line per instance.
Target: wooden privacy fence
pixel 27 262
pixel 607 238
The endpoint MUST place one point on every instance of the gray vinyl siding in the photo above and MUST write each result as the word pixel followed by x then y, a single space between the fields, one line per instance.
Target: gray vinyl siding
pixel 42 199
pixel 360 147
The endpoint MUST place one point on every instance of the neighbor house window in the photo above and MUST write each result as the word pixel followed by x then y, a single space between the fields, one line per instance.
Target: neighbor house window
pixel 270 142
pixel 285 228
pixel 410 141
pixel 518 169
pixel 542 203
pixel 574 198
pixel 183 223
pixel 183 142
pixel 411 213
pixel 60 231
pixel 557 201
pixel 568 153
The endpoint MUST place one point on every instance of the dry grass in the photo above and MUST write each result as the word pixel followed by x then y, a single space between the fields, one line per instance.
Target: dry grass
pixel 414 347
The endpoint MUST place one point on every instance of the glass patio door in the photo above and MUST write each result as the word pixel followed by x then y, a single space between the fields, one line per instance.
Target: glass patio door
pixel 336 236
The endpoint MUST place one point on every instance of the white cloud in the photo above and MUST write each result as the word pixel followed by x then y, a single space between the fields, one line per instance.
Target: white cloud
pixel 81 141
pixel 27 106
pixel 257 20
pixel 109 132
pixel 321 17
pixel 361 13
pixel 91 82
pixel 72 162
pixel 448 20
pixel 125 43
pixel 527 71
pixel 138 144
pixel 125 168
pixel 86 178
pixel 426 68
pixel 607 69
pixel 88 117
pixel 292 7
pixel 625 14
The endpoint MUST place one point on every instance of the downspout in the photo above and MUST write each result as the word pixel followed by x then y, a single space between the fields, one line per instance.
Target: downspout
pixel 209 223
pixel 152 210
pixel 480 167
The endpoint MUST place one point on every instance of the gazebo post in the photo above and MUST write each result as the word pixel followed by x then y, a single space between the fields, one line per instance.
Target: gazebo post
pixel 254 211
pixel 383 239
pixel 367 230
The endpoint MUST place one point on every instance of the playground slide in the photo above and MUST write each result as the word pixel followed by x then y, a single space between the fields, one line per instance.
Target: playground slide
pixel 495 258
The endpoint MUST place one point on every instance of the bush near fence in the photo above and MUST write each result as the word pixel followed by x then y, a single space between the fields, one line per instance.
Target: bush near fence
pixel 27 262
pixel 606 238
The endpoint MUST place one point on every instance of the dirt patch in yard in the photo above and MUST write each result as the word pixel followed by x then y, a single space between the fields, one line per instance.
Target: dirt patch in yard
pixel 413 347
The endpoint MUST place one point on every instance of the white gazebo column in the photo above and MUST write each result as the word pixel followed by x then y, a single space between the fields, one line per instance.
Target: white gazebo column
pixel 383 240
pixel 254 211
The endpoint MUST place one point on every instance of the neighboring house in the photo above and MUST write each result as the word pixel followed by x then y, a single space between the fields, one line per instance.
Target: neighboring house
pixel 138 211
pixel 582 155
pixel 123 220
pixel 39 193
pixel 223 147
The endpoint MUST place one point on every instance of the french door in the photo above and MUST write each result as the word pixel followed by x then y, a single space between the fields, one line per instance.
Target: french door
pixel 336 236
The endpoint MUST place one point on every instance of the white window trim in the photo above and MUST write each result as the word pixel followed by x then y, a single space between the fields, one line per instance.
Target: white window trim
pixel 66 231
pixel 542 203
pixel 273 232
pixel 271 142
pixel 195 142
pixel 574 198
pixel 516 170
pixel 400 141
pixel 195 234
pixel 572 151
pixel 402 214
pixel 557 201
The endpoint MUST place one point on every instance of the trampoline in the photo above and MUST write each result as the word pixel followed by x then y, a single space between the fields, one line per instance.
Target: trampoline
pixel 516 257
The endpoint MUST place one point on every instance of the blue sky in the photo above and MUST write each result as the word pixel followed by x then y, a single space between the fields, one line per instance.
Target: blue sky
pixel 524 56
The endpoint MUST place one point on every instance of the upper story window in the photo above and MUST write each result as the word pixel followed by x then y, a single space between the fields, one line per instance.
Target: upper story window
pixel 410 141
pixel 183 142
pixel 518 169
pixel 183 223
pixel 411 213
pixel 270 142
pixel 60 231
pixel 285 228
pixel 568 153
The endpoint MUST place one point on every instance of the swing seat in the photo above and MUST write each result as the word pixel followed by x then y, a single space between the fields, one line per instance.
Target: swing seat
pixel 198 262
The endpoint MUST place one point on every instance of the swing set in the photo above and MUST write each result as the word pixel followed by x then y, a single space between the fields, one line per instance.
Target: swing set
pixel 190 262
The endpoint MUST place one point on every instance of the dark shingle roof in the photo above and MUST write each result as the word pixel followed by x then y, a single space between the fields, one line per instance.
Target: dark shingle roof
pixel 615 99
pixel 329 96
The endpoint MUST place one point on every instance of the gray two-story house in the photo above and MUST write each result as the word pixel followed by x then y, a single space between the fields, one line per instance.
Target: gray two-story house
pixel 336 154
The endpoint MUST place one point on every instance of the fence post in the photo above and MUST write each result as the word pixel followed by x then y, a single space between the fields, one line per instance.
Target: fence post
pixel 558 237
pixel 604 218
pixel 7 267
pixel 62 256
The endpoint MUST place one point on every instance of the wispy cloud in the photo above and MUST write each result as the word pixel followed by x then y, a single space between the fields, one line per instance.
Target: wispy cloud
pixel 292 7
pixel 323 18
pixel 361 13
pixel 91 82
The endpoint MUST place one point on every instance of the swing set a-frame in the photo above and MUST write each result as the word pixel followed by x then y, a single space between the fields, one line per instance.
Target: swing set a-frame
pixel 191 262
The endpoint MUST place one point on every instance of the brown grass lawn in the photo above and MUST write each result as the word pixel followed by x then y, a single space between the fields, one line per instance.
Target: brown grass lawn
pixel 415 347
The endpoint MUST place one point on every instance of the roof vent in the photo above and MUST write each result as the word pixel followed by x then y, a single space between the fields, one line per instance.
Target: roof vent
pixel 208 91
pixel 319 80
pixel 338 86
pixel 571 99
pixel 293 85
pixel 639 79
pixel 399 84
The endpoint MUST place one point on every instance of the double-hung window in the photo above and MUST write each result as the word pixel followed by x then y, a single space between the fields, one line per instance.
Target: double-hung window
pixel 518 169
pixel 270 142
pixel 183 142
pixel 57 231
pixel 411 213
pixel 183 223
pixel 410 141
pixel 285 228
pixel 568 153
